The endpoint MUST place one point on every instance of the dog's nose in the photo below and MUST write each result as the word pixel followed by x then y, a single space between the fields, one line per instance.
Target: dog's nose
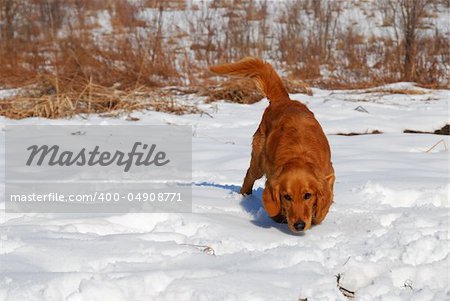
pixel 299 226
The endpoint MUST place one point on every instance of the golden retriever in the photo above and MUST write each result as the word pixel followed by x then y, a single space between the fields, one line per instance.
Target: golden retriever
pixel 290 149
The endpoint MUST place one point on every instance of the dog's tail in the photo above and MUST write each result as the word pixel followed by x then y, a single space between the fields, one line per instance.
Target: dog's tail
pixel 262 73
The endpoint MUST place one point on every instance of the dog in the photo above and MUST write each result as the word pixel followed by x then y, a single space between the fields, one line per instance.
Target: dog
pixel 289 148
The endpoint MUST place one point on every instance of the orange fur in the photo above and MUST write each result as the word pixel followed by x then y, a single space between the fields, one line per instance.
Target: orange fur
pixel 290 149
pixel 262 73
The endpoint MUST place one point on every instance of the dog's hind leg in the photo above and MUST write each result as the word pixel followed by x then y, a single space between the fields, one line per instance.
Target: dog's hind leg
pixel 255 171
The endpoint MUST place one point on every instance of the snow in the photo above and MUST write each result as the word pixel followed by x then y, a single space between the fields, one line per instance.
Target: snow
pixel 6 93
pixel 386 234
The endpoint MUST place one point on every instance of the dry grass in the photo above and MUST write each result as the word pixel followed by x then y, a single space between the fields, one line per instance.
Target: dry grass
pixel 398 91
pixel 46 101
pixel 374 132
pixel 240 91
pixel 297 87
pixel 445 130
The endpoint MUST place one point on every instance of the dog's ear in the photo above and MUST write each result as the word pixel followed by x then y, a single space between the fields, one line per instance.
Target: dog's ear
pixel 271 199
pixel 324 199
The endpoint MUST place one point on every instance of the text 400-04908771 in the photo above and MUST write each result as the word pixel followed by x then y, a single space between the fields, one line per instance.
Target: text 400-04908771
pixel 154 197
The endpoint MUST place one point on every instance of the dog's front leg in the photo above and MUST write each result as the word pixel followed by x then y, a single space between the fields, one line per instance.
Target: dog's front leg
pixel 255 171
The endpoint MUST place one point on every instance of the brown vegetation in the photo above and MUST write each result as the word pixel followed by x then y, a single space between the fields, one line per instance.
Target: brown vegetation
pixel 240 91
pixel 445 130
pixel 82 98
pixel 64 46
pixel 397 91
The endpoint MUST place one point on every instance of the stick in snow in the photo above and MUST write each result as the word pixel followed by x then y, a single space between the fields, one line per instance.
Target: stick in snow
pixel 347 293
pixel 206 249
pixel 437 143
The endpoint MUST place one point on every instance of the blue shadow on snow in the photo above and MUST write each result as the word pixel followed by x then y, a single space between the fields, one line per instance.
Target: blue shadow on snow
pixel 253 205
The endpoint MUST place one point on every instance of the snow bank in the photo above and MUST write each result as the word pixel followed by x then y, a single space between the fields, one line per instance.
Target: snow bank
pixel 386 234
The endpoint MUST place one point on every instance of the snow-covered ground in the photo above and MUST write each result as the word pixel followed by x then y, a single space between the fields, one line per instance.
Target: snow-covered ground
pixel 387 234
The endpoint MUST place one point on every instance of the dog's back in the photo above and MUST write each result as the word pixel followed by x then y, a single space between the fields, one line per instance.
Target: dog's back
pixel 287 125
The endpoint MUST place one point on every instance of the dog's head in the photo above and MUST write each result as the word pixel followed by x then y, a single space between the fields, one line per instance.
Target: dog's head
pixel 301 194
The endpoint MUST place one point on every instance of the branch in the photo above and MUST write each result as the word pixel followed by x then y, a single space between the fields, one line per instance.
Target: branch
pixel 347 293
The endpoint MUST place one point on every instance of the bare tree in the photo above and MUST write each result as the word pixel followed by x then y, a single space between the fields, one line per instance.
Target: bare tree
pixel 291 37
pixel 8 13
pixel 410 14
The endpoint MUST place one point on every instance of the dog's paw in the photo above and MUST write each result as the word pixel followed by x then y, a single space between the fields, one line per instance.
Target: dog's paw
pixel 245 192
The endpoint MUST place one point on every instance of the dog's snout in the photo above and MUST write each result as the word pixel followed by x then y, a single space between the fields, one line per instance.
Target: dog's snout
pixel 299 226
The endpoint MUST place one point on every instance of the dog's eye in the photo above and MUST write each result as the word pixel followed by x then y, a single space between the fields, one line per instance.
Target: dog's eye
pixel 287 197
pixel 307 196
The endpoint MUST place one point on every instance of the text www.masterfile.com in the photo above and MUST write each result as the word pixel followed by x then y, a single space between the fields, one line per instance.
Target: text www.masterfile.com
pixel 98 197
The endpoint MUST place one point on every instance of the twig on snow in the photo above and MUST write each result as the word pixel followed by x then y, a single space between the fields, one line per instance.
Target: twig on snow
pixel 408 284
pixel 206 113
pixel 347 260
pixel 347 293
pixel 437 143
pixel 361 109
pixel 205 249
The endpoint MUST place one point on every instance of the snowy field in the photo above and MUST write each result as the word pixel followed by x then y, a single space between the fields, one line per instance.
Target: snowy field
pixel 386 235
